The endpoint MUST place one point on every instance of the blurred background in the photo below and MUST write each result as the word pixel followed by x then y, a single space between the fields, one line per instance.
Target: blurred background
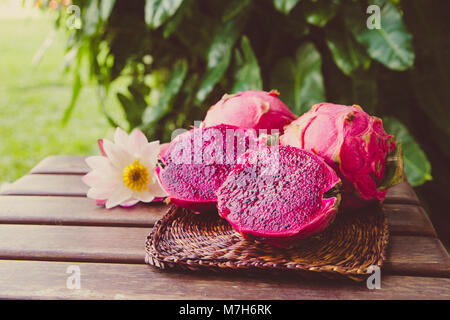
pixel 71 71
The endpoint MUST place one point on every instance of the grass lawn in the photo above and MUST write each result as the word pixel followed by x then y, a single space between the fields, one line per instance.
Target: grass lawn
pixel 33 100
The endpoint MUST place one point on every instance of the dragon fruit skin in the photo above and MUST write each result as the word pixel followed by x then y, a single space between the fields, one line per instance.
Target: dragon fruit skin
pixel 250 110
pixel 353 143
pixel 189 179
pixel 298 199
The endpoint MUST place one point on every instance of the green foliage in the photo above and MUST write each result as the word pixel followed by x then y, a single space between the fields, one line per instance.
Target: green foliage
pixel 247 75
pixel 345 50
pixel 219 56
pixel 181 56
pixel 390 45
pixel 285 6
pixel 320 12
pixel 154 113
pixel 158 11
pixel 300 80
pixel 417 167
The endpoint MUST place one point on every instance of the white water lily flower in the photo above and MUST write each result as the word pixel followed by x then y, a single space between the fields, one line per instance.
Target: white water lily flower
pixel 125 174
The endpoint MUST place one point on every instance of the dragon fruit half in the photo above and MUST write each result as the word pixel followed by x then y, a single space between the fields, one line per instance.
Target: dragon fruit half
pixel 195 164
pixel 355 144
pixel 250 110
pixel 280 194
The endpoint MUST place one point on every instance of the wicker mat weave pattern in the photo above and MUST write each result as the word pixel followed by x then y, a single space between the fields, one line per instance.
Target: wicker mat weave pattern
pixel 352 243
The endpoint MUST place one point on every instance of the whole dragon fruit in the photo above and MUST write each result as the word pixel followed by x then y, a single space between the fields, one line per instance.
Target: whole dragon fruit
pixel 279 194
pixel 250 110
pixel 355 145
pixel 195 164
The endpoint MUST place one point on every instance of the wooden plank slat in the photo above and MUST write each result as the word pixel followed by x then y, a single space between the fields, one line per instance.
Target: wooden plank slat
pixel 402 193
pixel 407 219
pixel 78 211
pixel 410 255
pixel 31 279
pixel 68 243
pixel 117 244
pixel 61 165
pixel 48 185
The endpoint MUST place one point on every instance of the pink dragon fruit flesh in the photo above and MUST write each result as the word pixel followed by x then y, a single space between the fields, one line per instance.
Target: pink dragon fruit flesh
pixel 279 194
pixel 195 164
pixel 353 143
pixel 250 110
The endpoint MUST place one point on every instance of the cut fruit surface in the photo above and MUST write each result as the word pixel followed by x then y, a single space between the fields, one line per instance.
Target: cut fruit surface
pixel 196 163
pixel 280 194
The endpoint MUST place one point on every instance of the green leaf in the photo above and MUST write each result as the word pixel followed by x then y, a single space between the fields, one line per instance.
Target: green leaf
pixel 347 54
pixel 138 98
pixel 318 13
pixel 219 56
pixel 91 18
pixel 365 89
pixel 248 74
pixel 234 8
pixel 132 111
pixel 102 92
pixel 285 6
pixel 155 112
pixel 196 32
pixel 158 11
pixel 76 89
pixel 135 105
pixel 300 82
pixel 174 22
pixel 417 166
pixel 106 7
pixel 394 169
pixel 295 25
pixel 390 45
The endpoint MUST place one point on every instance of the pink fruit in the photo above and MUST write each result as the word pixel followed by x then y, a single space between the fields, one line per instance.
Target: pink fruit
pixel 196 163
pixel 250 110
pixel 354 144
pixel 162 148
pixel 279 194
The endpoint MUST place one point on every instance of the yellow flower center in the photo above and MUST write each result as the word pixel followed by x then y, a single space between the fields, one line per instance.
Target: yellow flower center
pixel 135 176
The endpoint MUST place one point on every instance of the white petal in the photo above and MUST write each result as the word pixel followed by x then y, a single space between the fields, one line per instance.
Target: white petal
pixel 121 138
pixel 118 156
pixel 144 196
pixel 98 163
pixel 92 178
pixel 100 179
pixel 149 154
pixel 136 142
pixel 119 195
pixel 156 189
pixel 129 203
pixel 100 193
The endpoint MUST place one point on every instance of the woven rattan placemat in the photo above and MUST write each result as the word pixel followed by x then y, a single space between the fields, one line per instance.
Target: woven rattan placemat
pixel 352 243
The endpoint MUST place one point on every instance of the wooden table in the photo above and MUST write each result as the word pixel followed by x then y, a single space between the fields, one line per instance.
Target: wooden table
pixel 48 228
